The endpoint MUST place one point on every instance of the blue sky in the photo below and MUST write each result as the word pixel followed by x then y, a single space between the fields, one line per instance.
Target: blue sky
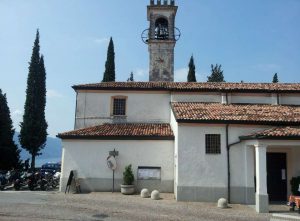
pixel 251 39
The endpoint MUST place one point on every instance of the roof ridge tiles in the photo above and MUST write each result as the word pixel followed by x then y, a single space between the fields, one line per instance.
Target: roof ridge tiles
pixel 193 86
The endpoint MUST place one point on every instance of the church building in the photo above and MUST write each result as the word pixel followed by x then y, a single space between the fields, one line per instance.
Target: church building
pixel 200 141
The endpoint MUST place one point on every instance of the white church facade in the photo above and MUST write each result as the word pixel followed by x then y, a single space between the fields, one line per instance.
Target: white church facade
pixel 202 141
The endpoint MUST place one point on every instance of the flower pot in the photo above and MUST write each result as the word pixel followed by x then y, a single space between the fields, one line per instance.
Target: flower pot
pixel 127 189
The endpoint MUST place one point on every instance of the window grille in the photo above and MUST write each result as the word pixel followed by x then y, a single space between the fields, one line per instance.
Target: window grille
pixel 213 143
pixel 119 107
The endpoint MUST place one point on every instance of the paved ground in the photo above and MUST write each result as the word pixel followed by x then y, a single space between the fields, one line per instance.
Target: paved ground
pixel 37 205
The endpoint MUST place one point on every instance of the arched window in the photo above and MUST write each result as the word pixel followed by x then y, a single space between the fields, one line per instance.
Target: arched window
pixel 161 29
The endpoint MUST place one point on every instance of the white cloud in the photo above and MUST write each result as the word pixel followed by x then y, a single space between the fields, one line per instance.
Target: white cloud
pixel 17 113
pixel 140 74
pixel 17 116
pixel 53 94
pixel 101 40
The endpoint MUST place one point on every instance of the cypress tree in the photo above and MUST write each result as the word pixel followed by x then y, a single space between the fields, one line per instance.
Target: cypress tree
pixel 192 71
pixel 275 78
pixel 130 79
pixel 109 73
pixel 33 132
pixel 216 74
pixel 9 152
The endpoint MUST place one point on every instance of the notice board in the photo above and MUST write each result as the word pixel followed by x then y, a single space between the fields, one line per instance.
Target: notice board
pixel 148 173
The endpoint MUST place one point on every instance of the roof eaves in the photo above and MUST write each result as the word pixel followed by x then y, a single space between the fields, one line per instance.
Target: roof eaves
pixel 89 137
pixel 265 137
pixel 273 123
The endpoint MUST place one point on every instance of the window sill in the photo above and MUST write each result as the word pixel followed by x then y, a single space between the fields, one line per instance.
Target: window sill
pixel 118 116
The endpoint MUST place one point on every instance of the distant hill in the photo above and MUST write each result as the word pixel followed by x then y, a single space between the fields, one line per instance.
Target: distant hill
pixel 51 152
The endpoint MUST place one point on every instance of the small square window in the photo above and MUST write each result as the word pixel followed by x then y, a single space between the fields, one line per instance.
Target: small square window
pixel 119 106
pixel 213 143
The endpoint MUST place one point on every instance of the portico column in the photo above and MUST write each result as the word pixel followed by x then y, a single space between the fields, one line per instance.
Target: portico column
pixel 261 196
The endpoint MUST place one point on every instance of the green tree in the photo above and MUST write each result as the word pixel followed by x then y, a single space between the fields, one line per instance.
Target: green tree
pixel 9 152
pixel 275 78
pixel 109 73
pixel 33 132
pixel 192 71
pixel 216 74
pixel 130 79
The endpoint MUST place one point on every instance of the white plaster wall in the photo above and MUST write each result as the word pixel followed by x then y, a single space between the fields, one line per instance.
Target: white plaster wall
pixel 242 156
pixel 292 99
pixel 174 126
pixel 253 98
pixel 237 165
pixel 195 167
pixel 295 155
pixel 88 157
pixel 235 131
pixel 196 97
pixel 94 108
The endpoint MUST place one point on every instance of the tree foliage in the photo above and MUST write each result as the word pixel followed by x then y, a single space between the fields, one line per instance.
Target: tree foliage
pixel 275 78
pixel 128 176
pixel 33 132
pixel 216 74
pixel 130 79
pixel 192 71
pixel 109 73
pixel 9 152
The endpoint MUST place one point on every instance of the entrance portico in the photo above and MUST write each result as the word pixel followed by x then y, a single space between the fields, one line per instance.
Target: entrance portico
pixel 285 144
pixel 264 146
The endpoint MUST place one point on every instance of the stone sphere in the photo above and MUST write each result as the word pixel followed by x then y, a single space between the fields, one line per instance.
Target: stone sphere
pixel 222 203
pixel 155 195
pixel 145 193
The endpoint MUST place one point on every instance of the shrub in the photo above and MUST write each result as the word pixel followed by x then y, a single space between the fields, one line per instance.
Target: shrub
pixel 128 176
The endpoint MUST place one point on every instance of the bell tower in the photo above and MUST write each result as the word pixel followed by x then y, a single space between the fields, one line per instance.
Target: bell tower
pixel 161 37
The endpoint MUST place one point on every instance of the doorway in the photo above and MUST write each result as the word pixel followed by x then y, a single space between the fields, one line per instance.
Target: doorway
pixel 277 176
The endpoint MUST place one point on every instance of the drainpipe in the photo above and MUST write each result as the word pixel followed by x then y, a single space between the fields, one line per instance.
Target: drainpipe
pixel 228 157
pixel 228 164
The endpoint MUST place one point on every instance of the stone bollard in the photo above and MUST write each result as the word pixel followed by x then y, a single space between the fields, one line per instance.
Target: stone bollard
pixel 155 195
pixel 145 193
pixel 222 203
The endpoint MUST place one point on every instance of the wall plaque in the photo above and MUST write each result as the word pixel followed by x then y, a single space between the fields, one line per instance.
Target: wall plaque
pixel 149 173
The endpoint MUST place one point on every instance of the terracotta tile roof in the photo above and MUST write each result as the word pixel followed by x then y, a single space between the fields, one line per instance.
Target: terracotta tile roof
pixel 193 86
pixel 122 131
pixel 233 113
pixel 278 132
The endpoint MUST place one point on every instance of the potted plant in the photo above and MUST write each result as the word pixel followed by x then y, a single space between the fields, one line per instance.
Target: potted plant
pixel 127 187
pixel 295 186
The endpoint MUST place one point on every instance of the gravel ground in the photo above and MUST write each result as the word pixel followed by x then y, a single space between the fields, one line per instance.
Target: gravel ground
pixel 26 205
